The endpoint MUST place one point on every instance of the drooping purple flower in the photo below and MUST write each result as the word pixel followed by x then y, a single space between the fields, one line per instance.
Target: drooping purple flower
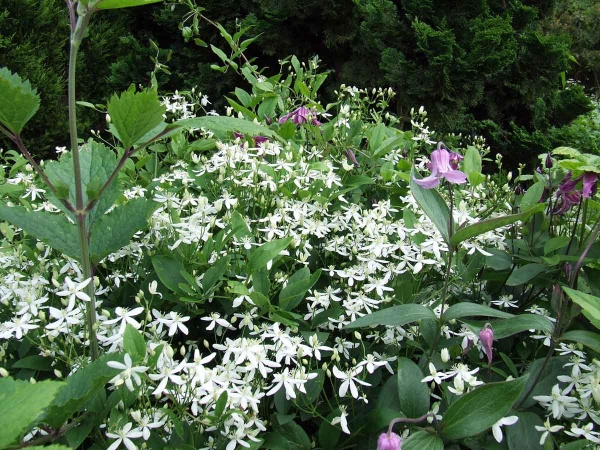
pixel 486 335
pixel 590 184
pixel 566 195
pixel 302 115
pixel 455 160
pixel 442 167
pixel 389 441
pixel 238 135
pixel 260 140
pixel 351 157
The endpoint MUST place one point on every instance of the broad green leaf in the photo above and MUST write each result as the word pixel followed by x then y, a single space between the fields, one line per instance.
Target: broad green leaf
pixel 523 435
pixel 34 362
pixel 566 151
pixel 423 440
pixel 97 162
pixel 134 114
pixel 500 260
pixel 114 4
pixel 580 444
pixel 53 229
pixel 476 411
pixel 21 406
pixel 80 387
pixel 413 394
pixel 433 205
pixel 114 230
pixel 551 369
pixel 526 273
pixel 220 404
pixel 168 270
pixel 297 286
pixel 589 303
pixel 290 436
pixel 260 256
pixel 473 310
pixel 243 97
pixel 18 101
pixel 484 226
pixel 49 447
pixel 532 196
pixel 517 324
pixel 396 316
pixel 472 161
pixel 134 344
pixel 555 243
pixel 329 435
pixel 215 272
pixel 587 338
pixel 224 124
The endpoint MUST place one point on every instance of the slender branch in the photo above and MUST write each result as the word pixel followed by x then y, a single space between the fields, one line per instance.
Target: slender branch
pixel 584 254
pixel 72 18
pixel 408 420
pixel 50 436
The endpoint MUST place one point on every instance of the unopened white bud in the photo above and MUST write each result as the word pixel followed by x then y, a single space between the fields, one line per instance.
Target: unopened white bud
pixel 58 373
pixel 108 119
pixel 3 372
pixel 445 355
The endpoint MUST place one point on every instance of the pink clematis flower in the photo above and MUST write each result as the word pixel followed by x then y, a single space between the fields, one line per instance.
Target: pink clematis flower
pixel 301 115
pixel 487 340
pixel 389 441
pixel 590 184
pixel 443 165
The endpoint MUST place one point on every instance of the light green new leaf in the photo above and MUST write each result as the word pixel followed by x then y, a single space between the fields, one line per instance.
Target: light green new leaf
pixel 134 115
pixel 80 387
pixel 21 406
pixel 114 230
pixel 53 229
pixel 18 101
pixel 296 288
pixel 413 394
pixel 396 316
pixel 484 226
pixel 587 338
pixel 423 440
pixel 532 196
pixel 262 255
pixel 114 4
pixel 433 205
pixel 476 411
pixel 97 162
pixel 471 161
pixel 473 310
pixel 589 303
pixel 224 124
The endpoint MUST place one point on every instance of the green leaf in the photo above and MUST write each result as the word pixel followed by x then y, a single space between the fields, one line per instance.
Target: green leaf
pixel 290 436
pixel 532 196
pixel 476 411
pixel 589 303
pixel 134 344
pixel 471 161
pixel 551 369
pixel 413 394
pixel 134 114
pixel 215 272
pixel 53 229
pixel 517 324
pixel 396 316
pixel 260 256
pixel 21 406
pixel 49 447
pixel 555 243
pixel 297 286
pixel 433 205
pixel 523 274
pixel 423 440
pixel 114 230
pixel 114 4
pixel 80 387
pixel 484 226
pixel 576 445
pixel 168 270
pixel 18 101
pixel 587 338
pixel 523 435
pixel 473 310
pixel 34 362
pixel 226 124
pixel 97 162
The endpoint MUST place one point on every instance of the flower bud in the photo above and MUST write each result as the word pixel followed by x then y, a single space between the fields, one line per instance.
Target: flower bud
pixel 389 441
pixel 487 339
pixel 445 355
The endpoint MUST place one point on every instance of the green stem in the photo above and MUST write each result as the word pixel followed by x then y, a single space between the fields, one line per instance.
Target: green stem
pixel 80 212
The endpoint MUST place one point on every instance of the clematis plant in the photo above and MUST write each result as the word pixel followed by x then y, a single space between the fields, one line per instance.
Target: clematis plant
pixel 301 115
pixel 443 166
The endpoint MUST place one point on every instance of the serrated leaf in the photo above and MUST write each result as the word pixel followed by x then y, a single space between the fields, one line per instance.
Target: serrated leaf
pixel 134 114
pixel 53 229
pixel 79 388
pixel 114 230
pixel 224 124
pixel 18 101
pixel 413 394
pixel 484 226
pixel 21 406
pixel 97 162
pixel 114 4
pixel 433 205
pixel 473 310
pixel 476 411
pixel 262 255
pixel 397 316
